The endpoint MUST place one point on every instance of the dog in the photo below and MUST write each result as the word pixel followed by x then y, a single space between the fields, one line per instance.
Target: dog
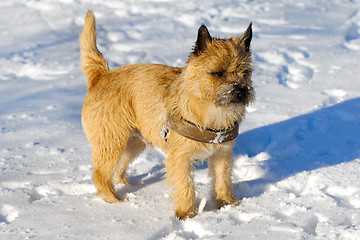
pixel 191 113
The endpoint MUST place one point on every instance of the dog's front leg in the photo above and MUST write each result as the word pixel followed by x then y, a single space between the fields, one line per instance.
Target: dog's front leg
pixel 220 166
pixel 178 175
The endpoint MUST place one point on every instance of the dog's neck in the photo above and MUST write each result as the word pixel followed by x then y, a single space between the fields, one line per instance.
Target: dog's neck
pixel 197 133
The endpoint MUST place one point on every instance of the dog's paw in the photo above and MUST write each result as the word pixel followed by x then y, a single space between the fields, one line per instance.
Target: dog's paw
pixel 115 199
pixel 110 198
pixel 223 203
pixel 181 215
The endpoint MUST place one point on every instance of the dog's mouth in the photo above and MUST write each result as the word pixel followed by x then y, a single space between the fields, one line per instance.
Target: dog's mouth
pixel 235 94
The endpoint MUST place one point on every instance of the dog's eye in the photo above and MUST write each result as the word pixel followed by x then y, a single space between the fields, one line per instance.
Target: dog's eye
pixel 219 74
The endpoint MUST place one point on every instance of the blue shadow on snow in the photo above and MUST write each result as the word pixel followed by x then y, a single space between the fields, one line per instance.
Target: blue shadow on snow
pixel 322 138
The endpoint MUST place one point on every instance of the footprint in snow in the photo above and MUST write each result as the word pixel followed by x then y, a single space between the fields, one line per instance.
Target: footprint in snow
pixel 292 66
pixel 352 34
pixel 335 96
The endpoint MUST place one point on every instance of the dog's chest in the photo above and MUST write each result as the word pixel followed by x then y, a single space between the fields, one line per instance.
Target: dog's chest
pixel 205 152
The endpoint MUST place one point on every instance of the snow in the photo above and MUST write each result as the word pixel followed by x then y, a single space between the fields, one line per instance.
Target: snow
pixel 297 158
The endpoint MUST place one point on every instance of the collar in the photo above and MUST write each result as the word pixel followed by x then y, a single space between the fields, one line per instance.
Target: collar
pixel 200 134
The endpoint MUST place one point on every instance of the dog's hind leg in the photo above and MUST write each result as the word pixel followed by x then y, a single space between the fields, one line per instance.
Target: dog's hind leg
pixel 134 147
pixel 107 150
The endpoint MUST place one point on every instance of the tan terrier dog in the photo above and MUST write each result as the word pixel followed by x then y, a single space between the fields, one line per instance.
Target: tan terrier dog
pixel 191 113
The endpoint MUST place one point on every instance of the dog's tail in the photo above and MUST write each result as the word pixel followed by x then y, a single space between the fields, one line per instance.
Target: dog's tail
pixel 92 61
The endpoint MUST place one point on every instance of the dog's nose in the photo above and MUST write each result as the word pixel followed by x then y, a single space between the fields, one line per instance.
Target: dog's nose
pixel 241 92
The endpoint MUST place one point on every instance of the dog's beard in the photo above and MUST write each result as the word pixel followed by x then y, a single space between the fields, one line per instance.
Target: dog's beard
pixel 234 94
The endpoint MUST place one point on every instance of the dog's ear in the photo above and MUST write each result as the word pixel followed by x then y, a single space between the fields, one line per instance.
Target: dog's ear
pixel 203 40
pixel 245 39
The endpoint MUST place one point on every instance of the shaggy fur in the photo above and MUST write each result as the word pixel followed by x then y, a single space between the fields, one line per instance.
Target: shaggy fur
pixel 128 106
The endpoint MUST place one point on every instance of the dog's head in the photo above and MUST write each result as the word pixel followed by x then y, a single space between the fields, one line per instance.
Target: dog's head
pixel 218 71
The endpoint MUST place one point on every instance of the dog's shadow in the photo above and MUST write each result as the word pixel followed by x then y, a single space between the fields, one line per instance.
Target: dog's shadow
pixel 326 137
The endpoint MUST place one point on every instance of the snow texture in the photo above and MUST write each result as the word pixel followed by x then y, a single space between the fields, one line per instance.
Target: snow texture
pixel 297 158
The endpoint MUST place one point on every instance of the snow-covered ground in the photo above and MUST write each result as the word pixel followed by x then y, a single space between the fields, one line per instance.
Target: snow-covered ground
pixel 297 164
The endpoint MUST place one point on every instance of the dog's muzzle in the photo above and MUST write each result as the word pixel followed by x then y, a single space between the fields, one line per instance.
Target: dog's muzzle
pixel 242 93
